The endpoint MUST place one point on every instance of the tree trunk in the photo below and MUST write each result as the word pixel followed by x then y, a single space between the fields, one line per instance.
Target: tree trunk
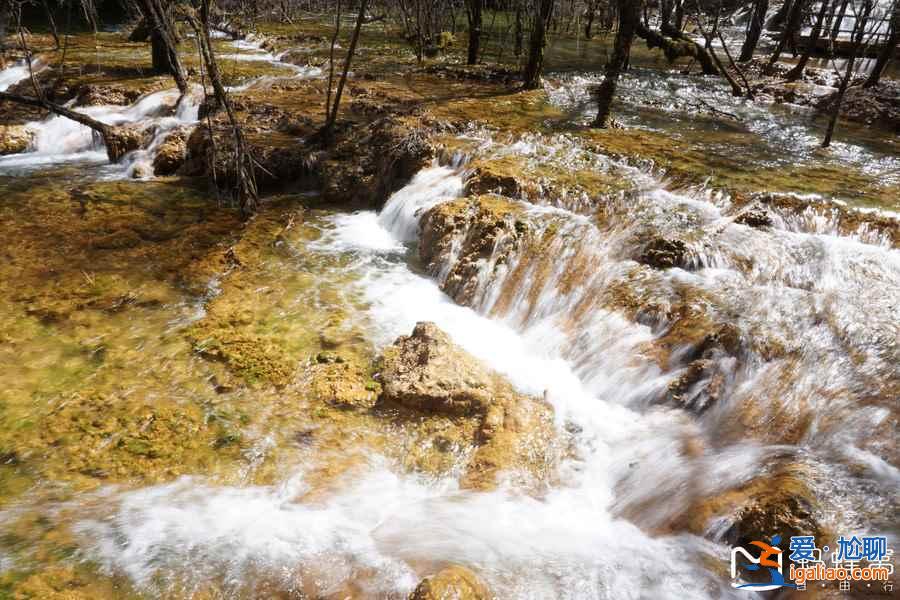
pixel 5 14
pixel 589 20
pixel 520 27
pixel 679 15
pixel 780 15
pixel 839 19
pixel 795 20
pixel 473 12
pixel 328 130
pixel 629 17
pixel 245 190
pixel 797 72
pixel 532 75
pixel 890 47
pixel 334 37
pixel 757 20
pixel 164 46
pixel 666 7
pixel 858 35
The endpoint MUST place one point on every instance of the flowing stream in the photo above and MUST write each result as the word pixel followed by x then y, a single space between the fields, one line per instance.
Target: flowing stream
pixel 813 385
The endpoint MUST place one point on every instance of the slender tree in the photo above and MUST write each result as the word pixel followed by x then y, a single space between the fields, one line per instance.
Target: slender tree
pixel 857 37
pixel 757 20
pixel 813 41
pixel 245 191
pixel 163 41
pixel 531 76
pixel 888 50
pixel 795 20
pixel 629 16
pixel 328 129
pixel 473 13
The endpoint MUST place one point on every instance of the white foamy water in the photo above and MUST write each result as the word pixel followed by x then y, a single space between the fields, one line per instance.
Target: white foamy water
pixel 252 50
pixel 61 140
pixel 381 523
pixel 13 74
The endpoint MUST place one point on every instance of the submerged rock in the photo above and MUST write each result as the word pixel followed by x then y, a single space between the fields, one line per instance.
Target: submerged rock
pixel 430 375
pixel 663 253
pixel 14 139
pixel 755 217
pixel 452 583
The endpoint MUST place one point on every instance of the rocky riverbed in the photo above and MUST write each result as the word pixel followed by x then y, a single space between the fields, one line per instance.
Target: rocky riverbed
pixel 465 350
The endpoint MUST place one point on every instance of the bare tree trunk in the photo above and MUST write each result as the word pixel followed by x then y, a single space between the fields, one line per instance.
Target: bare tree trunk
pixel 757 20
pixel 589 19
pixel 795 20
pixel 629 17
pixel 679 15
pixel 52 22
pixel 473 13
pixel 337 30
pixel 780 15
pixel 858 35
pixel 245 191
pixel 708 36
pixel 797 72
pixel 163 42
pixel 839 19
pixel 328 129
pixel 532 75
pixel 5 14
pixel 520 35
pixel 887 52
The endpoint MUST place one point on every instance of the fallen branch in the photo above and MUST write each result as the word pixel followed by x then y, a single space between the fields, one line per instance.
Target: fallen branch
pixel 677 47
pixel 117 142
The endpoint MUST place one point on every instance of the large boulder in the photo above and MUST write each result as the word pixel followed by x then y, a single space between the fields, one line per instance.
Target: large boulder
pixel 452 583
pixel 14 139
pixel 428 375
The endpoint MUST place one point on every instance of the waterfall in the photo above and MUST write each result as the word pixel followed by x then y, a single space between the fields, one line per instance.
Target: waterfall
pixel 13 74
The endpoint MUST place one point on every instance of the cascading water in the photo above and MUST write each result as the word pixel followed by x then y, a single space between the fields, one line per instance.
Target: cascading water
pixel 59 140
pixel 15 73
pixel 568 543
pixel 252 50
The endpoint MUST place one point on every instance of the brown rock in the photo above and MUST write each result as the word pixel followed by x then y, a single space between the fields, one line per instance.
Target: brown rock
pixel 426 371
pixel 452 583
pixel 171 154
pixel 428 374
pixel 755 217
pixel 126 138
pixel 14 139
pixel 100 95
pixel 663 253
pixel 479 223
